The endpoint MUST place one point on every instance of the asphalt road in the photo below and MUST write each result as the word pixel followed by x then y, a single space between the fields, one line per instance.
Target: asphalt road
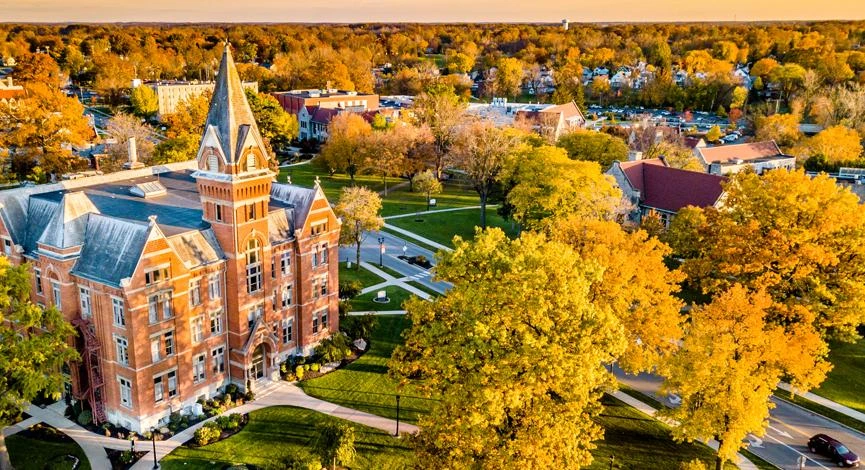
pixel 790 427
pixel 393 245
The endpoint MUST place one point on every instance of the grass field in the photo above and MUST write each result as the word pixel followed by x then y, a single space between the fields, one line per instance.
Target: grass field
pixel 304 175
pixel 364 384
pixel 442 227
pixel 637 441
pixel 846 381
pixel 365 277
pixel 402 201
pixel 29 453
pixel 274 433
pixel 364 302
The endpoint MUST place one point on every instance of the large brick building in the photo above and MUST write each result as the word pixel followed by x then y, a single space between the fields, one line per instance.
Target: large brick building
pixel 181 278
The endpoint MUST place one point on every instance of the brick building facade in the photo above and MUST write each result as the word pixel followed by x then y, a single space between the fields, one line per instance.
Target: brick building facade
pixel 181 278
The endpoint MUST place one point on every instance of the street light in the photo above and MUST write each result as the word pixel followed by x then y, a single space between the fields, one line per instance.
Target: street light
pixel 381 252
pixel 153 438
pixel 397 416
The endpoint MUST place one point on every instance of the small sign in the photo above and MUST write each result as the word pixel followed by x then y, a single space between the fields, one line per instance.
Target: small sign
pixel 382 249
pixel 432 202
pixel 381 294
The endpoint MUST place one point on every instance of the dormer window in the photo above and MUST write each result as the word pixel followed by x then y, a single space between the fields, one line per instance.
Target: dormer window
pixel 250 162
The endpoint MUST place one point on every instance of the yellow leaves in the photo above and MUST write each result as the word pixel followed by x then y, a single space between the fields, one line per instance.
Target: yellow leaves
pixel 359 209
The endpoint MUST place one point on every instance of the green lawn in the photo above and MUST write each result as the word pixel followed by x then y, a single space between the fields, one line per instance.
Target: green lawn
pixel 274 433
pixel 364 384
pixel 365 277
pixel 304 175
pixel 402 201
pixel 846 381
pixel 392 272
pixel 637 441
pixel 442 227
pixel 29 453
pixel 364 302
pixel 424 288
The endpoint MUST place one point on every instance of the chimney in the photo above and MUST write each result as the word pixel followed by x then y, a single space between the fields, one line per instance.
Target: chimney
pixel 132 151
pixel 635 156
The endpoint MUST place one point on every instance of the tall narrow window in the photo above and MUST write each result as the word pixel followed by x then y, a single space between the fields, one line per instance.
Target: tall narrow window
pixel 324 318
pixel 168 338
pixel 119 313
pixel 84 298
pixel 287 327
pixel 166 305
pixel 214 289
pixel 216 322
pixel 153 308
pixel 285 262
pixel 158 390
pixel 55 292
pixel 213 163
pixel 253 266
pixel 197 329
pixel 219 216
pixel 315 323
pixel 286 296
pixel 218 356
pixel 195 293
pixel 122 346
pixel 172 384
pixel 198 373
pixel 250 162
pixel 38 275
pixel 125 392
pixel 154 350
pixel 7 247
pixel 324 254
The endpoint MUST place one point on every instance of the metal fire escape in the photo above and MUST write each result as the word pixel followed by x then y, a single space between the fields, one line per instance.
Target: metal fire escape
pixel 93 391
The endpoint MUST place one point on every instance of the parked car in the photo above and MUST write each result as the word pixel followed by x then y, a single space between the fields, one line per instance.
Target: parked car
pixel 834 449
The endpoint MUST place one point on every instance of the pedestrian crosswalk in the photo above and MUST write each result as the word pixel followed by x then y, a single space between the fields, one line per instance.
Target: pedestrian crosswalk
pixel 418 276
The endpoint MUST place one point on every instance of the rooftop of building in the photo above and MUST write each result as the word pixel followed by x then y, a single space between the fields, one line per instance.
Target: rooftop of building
pixel 747 152
pixel 324 93
pixel 671 189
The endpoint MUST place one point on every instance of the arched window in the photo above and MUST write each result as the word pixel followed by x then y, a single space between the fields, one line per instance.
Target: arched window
pixel 213 163
pixel 250 162
pixel 253 265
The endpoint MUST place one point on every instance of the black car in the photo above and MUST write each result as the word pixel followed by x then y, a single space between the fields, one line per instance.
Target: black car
pixel 835 450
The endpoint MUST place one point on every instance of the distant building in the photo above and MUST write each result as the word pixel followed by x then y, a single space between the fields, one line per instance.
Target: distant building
pixel 314 109
pixel 545 119
pixel 171 94
pixel 758 156
pixel 653 187
pixel 565 24
pixel 10 93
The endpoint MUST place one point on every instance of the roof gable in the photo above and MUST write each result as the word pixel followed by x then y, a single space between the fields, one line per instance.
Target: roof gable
pixel 671 189
pixel 112 250
pixel 749 151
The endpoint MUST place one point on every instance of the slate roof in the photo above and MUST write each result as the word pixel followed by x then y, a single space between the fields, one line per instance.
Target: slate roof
pixel 671 189
pixel 197 248
pixel 112 249
pixel 298 198
pixel 229 111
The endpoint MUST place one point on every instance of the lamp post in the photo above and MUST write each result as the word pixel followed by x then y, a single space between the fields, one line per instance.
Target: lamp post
pixel 397 416
pixel 153 439
pixel 611 461
pixel 404 248
pixel 381 252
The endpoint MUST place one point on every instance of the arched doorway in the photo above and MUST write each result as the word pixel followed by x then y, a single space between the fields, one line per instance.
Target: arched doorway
pixel 258 364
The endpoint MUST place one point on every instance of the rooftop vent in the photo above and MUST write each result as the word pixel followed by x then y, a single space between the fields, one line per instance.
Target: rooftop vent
pixel 148 189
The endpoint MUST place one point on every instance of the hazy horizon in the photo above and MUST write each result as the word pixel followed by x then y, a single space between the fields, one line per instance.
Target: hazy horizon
pixel 422 11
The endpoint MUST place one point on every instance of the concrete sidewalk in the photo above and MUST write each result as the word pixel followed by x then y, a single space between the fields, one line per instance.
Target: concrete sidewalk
pixel 743 463
pixel 849 412
pixel 438 211
pixel 390 281
pixel 417 237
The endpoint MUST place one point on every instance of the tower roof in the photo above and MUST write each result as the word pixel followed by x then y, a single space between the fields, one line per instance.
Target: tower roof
pixel 230 115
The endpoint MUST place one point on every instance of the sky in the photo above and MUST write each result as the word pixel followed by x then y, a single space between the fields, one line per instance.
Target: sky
pixel 361 11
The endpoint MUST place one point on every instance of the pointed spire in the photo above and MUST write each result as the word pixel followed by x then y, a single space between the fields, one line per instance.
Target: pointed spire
pixel 229 114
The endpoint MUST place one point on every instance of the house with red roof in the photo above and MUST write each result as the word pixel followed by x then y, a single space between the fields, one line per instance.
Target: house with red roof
pixel 756 156
pixel 10 93
pixel 652 186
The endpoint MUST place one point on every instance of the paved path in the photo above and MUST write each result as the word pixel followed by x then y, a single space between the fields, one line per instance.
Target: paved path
pixel 274 394
pixel 437 211
pixel 391 281
pixel 743 463
pixel 417 237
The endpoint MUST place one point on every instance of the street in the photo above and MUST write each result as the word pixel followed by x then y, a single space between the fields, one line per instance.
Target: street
pixel 790 427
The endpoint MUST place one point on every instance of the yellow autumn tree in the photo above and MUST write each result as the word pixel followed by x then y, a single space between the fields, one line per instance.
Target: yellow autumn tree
pixel 728 366
pixel 800 239
pixel 515 352
pixel 836 144
pixel 547 185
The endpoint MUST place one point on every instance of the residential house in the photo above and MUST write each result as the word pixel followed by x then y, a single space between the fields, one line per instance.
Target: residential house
pixel 9 92
pixel 552 120
pixel 652 187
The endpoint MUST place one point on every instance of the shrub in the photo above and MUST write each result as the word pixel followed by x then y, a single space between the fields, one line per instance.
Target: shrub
pixel 231 389
pixel 349 289
pixel 315 367
pixel 306 367
pixel 85 418
pixel 223 422
pixel 299 372
pixel 208 433
pixel 234 420
pixel 357 326
pixel 126 457
pixel 333 349
pixel 695 464
pixel 250 395
pixel 301 460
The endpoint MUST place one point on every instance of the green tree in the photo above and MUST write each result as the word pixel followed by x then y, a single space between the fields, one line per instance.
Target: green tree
pixel 675 156
pixel 789 77
pixel 276 126
pixel 336 444
pixel 714 134
pixel 35 347
pixel 427 183
pixel 597 147
pixel 480 152
pixel 346 136
pixel 144 101
pixel 516 353
pixel 359 210
pixel 809 256
pixel 730 362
